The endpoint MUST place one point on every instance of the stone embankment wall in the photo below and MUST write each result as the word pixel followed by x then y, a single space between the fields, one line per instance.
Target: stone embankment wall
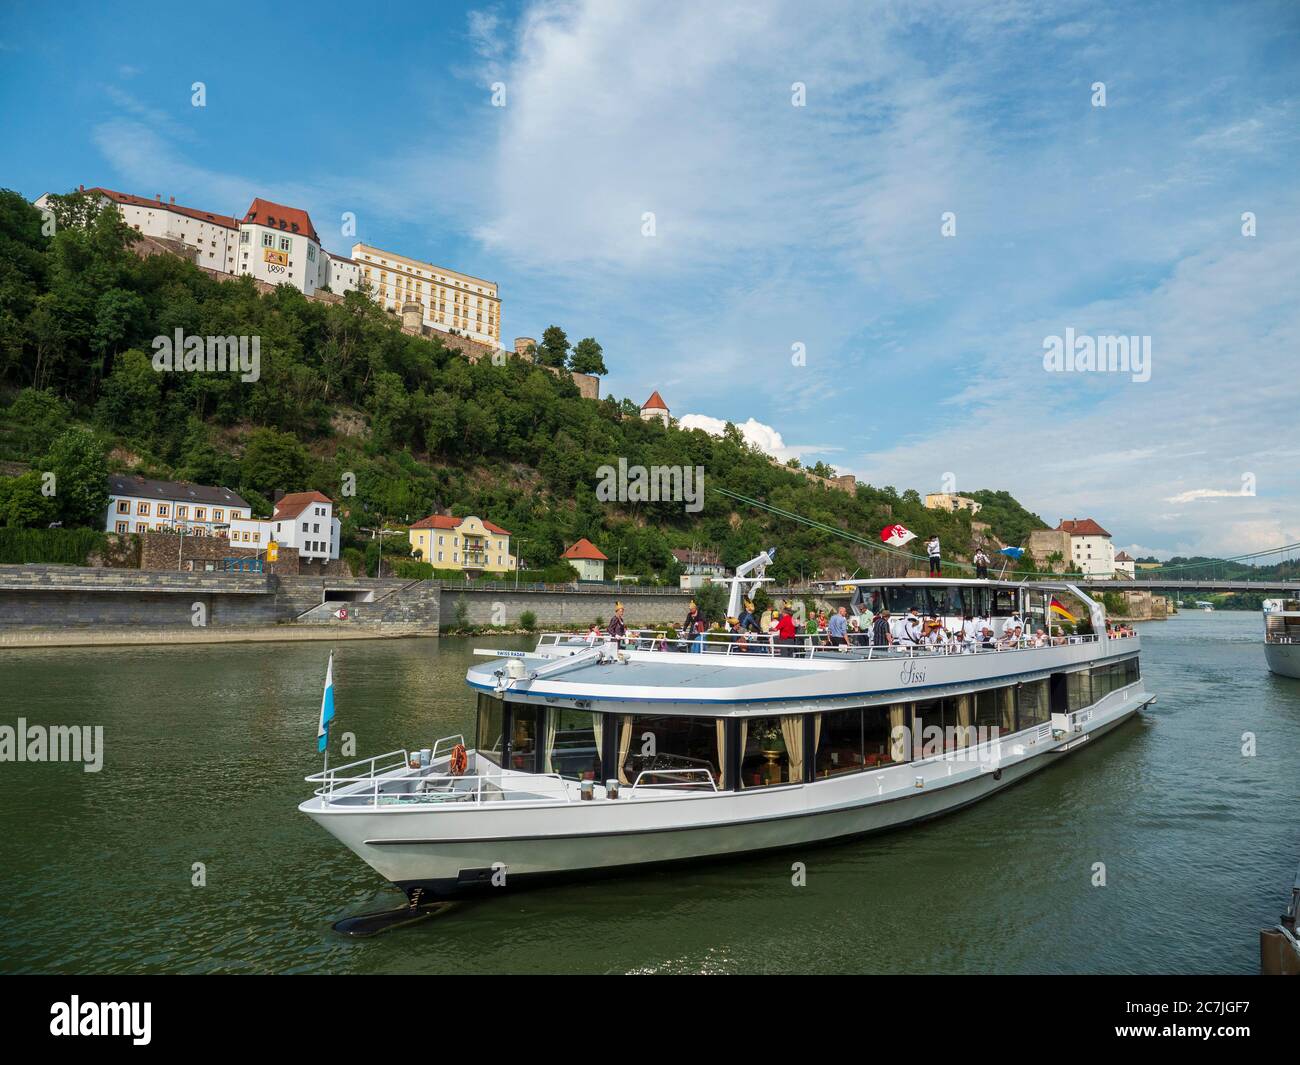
pixel 45 605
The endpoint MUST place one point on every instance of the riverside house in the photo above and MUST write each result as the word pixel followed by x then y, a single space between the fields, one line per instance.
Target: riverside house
pixel 470 545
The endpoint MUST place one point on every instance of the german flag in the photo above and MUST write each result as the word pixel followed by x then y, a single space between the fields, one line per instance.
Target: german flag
pixel 1058 608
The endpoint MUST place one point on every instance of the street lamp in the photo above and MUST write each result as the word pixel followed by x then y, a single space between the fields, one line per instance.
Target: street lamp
pixel 518 556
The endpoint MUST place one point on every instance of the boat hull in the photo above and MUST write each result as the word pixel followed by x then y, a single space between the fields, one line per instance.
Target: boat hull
pixel 448 853
pixel 1283 658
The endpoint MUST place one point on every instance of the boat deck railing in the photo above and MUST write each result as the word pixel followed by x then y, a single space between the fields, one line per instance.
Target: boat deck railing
pixel 769 645
pixel 391 779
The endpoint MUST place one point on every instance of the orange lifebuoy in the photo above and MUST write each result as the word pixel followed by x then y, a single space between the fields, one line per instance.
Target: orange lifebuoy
pixel 459 760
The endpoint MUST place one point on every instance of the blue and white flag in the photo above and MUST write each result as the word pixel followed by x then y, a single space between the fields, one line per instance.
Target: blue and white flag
pixel 1013 552
pixel 326 708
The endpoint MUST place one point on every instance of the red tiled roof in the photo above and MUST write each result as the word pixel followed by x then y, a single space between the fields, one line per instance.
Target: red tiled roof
pixel 1086 527
pixel 655 402
pixel 293 504
pixel 276 216
pixel 584 548
pixel 1123 556
pixel 450 521
pixel 159 205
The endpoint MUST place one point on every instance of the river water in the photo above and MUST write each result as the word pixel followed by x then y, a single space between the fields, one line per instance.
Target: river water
pixel 205 749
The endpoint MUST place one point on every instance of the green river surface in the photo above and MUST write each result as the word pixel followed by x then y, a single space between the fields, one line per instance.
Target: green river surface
pixel 206 748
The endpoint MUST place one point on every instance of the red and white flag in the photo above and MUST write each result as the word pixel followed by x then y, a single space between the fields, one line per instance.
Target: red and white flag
pixel 896 535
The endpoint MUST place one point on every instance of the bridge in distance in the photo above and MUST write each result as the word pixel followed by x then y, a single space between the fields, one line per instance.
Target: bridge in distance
pixel 1189 585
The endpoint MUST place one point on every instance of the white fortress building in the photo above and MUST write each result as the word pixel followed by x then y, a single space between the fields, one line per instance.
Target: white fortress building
pixel 450 301
pixel 278 244
pixel 1091 550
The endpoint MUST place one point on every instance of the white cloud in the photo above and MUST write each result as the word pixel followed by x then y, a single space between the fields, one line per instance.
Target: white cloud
pixel 764 437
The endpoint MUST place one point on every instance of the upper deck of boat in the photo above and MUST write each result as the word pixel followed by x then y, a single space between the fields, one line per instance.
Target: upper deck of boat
pixel 655 668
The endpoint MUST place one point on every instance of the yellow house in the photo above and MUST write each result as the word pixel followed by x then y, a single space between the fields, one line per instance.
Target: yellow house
pixel 469 544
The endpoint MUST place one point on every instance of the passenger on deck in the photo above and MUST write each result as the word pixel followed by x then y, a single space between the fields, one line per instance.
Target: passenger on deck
pixel 838 628
pixel 617 627
pixel 695 626
pixel 911 629
pixel 932 549
pixel 881 636
pixel 1039 638
pixel 981 561
pixel 987 642
pixel 747 621
pixel 786 631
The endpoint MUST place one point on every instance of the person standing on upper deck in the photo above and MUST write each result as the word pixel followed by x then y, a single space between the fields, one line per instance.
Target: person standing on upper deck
pixel 932 549
pixel 912 628
pixel 838 628
pixel 695 625
pixel 786 631
pixel 617 626
pixel 981 561
pixel 880 634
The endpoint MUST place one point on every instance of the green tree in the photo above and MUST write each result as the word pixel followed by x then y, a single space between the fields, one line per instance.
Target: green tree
pixel 587 357
pixel 77 461
pixel 39 416
pixel 22 503
pixel 274 460
pixel 554 349
pixel 131 398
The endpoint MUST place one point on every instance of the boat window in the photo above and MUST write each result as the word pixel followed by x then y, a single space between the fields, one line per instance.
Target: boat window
pixel 1078 690
pixel 900 599
pixel 1032 706
pixel 491 716
pixel 849 741
pixel 945 602
pixel 573 743
pixel 943 724
pixel 1005 602
pixel 771 750
pixel 1132 673
pixel 655 745
pixel 981 601
pixel 995 708
pixel 523 737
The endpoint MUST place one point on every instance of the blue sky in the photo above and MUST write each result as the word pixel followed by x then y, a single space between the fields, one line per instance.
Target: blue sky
pixel 777 225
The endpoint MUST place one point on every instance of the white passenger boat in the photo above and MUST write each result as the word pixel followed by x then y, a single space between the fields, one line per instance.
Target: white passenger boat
pixel 1282 636
pixel 617 755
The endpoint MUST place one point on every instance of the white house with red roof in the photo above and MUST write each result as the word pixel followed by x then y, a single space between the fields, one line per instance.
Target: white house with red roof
pixel 469 544
pixel 279 245
pixel 587 559
pixel 1091 551
pixel 1125 564
pixel 301 520
pixel 655 409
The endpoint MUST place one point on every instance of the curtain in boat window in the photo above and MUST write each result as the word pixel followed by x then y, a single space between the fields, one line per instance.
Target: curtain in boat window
pixel 965 717
pixel 598 730
pixel 792 733
pixel 624 745
pixel 552 720
pixel 901 742
pixel 1007 721
pixel 722 751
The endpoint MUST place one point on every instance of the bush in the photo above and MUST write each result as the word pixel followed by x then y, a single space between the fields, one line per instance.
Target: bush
pixel 63 546
pixel 528 620
pixel 355 560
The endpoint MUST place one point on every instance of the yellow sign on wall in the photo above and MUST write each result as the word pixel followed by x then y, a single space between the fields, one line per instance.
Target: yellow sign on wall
pixel 276 258
pixel 272 552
